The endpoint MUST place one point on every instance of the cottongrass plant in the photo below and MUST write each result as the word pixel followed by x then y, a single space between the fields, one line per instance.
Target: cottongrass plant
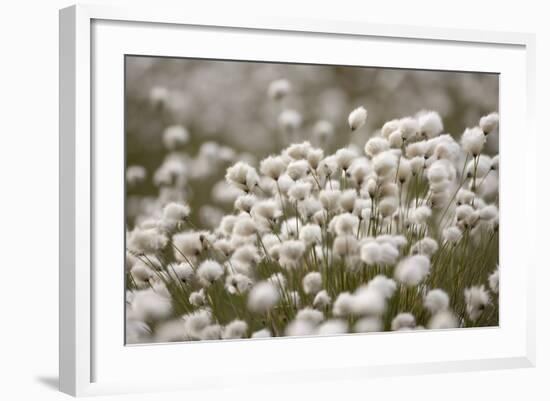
pixel 402 235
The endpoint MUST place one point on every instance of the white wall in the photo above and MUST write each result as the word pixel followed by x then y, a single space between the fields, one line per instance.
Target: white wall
pixel 28 222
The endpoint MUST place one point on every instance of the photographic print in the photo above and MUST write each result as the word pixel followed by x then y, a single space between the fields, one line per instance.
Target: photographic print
pixel 269 199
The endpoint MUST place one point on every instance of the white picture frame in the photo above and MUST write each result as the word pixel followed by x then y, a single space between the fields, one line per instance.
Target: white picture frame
pixel 96 361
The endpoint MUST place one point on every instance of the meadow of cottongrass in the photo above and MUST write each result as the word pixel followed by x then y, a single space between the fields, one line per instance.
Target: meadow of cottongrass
pixel 400 233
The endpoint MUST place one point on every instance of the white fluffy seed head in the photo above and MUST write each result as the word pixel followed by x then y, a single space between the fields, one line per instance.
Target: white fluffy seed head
pixel 322 300
pixel 403 321
pixel 345 246
pixel 479 167
pixel 273 167
pixel 187 246
pixel 314 157
pixel 388 206
pixel 242 176
pixel 421 215
pixel 347 200
pixel 159 95
pixel 290 228
pixel 312 283
pixel 297 151
pixel 388 254
pixel 320 217
pixel 299 191
pixel 237 283
pixel 330 199
pixel 284 183
pixel 389 127
pixel 452 234
pixel 292 249
pixel 464 212
pixel 310 234
pixel 227 224
pixel 398 241
pixel 357 118
pixel 310 315
pixel 362 208
pixel 196 322
pixel 263 333
pixel 197 298
pixel 269 240
pixel 279 89
pixel 396 139
pixel 146 241
pixel 175 212
pixel 289 120
pixel 388 189
pixel 297 169
pixel 472 141
pixel 384 285
pixel 344 224
pixel 309 206
pixel 488 212
pixel 333 326
pixel 409 127
pixel 464 196
pixel 246 254
pixel 323 131
pixel 374 253
pixel 436 300
pixel 174 137
pixel 151 306
pixel 235 329
pixel 426 246
pixel 345 157
pixel 447 151
pixel 182 271
pixel 268 209
pixel 371 186
pixel 244 203
pixel 263 297
pixel 412 270
pixel 404 170
pixel 211 332
pixel 170 331
pixel 417 149
pixel 135 175
pixel 384 163
pixel 209 271
pixel 298 328
pixel 245 226
pixel 439 194
pixel 344 305
pixel 489 123
pixel 375 146
pixel 359 170
pixel 444 319
pixel 368 325
pixel 367 301
pixel 417 164
pixel 439 171
pixel 476 298
pixel 327 167
pixel 430 124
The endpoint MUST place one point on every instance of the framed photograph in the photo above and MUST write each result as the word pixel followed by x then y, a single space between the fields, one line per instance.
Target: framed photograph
pixel 252 200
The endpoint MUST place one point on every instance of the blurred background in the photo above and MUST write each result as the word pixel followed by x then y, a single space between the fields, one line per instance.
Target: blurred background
pixel 227 115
